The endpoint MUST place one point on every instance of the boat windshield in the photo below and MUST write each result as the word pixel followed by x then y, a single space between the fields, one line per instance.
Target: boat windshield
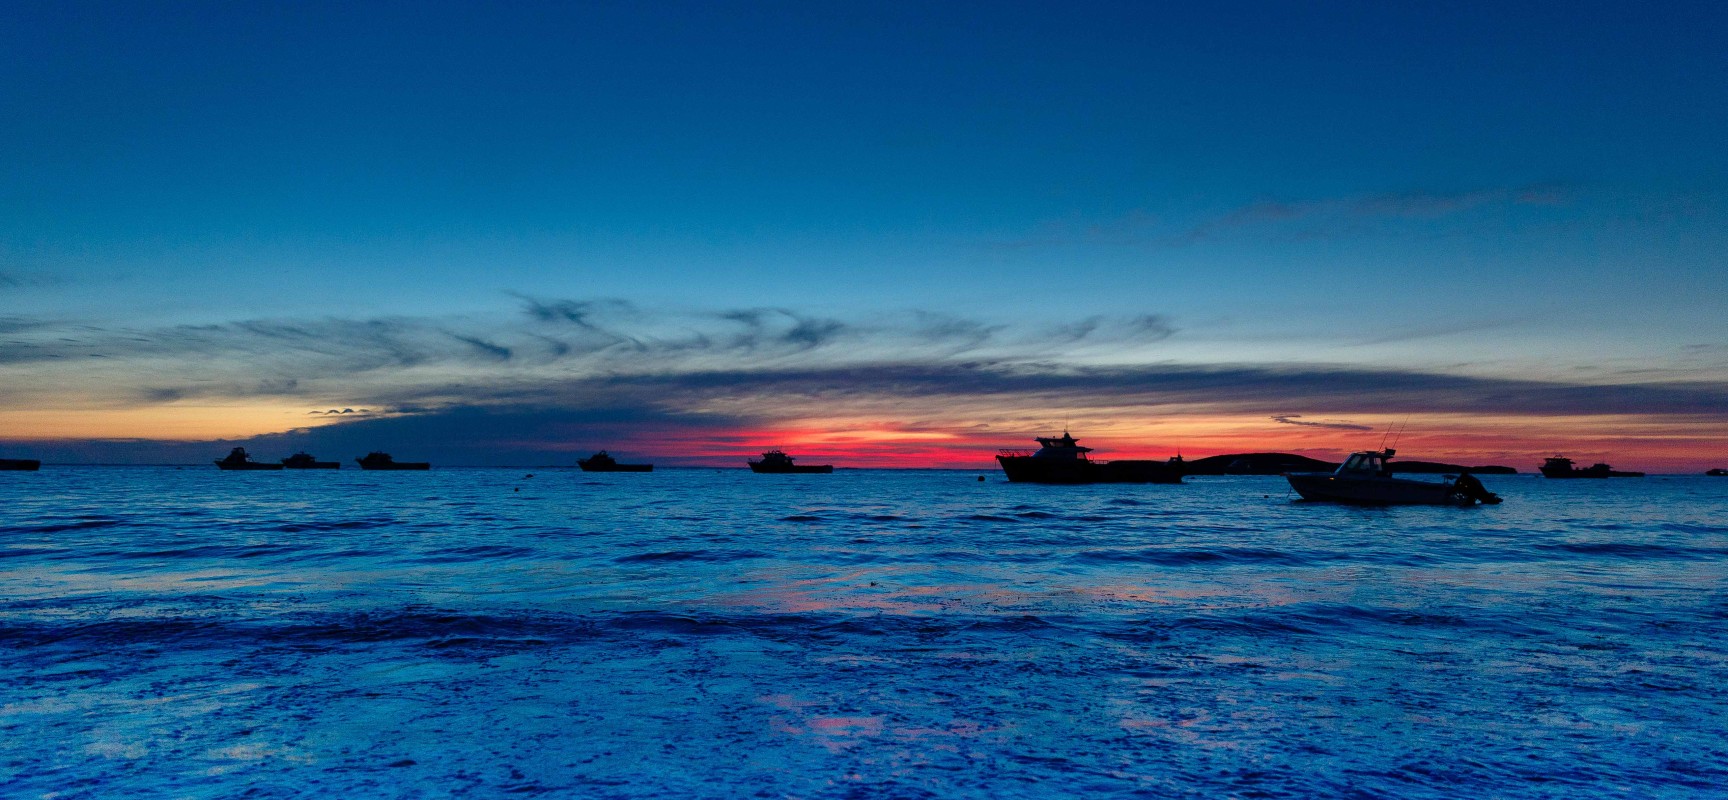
pixel 1362 462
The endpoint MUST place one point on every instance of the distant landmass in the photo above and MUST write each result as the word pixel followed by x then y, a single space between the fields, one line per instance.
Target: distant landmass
pixel 1279 463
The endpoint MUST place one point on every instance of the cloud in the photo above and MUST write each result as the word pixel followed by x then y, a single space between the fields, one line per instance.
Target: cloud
pixel 497 351
pixel 589 372
pixel 1141 229
pixel 1351 209
pixel 1293 419
pixel 21 324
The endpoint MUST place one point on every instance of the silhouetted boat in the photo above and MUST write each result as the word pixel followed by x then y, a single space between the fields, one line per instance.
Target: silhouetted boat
pixel 304 460
pixel 1365 479
pixel 776 461
pixel 19 465
pixel 1063 460
pixel 1714 473
pixel 1561 467
pixel 237 459
pixel 382 461
pixel 604 462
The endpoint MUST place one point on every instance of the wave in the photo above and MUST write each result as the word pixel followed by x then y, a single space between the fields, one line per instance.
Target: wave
pixel 1190 557
pixel 76 524
pixel 692 555
pixel 339 525
pixel 1633 550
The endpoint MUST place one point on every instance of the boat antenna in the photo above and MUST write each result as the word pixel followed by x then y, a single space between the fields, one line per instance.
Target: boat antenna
pixel 1402 427
pixel 1384 435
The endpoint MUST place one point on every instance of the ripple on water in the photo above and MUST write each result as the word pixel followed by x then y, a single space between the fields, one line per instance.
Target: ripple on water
pixel 691 555
pixel 159 630
pixel 67 524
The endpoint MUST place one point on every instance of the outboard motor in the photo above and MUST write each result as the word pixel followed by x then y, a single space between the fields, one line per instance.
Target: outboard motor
pixel 1468 487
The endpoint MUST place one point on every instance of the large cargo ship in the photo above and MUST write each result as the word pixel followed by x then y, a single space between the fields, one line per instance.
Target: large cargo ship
pixel 1063 460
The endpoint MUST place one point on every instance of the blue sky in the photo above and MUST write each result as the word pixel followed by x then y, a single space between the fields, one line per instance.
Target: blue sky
pixel 1510 191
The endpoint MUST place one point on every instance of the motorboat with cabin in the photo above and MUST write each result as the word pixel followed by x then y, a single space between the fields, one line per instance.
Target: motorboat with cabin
pixel 1561 467
pixel 1365 479
pixel 305 460
pixel 238 459
pixel 378 460
pixel 1717 473
pixel 777 462
pixel 604 462
pixel 1061 459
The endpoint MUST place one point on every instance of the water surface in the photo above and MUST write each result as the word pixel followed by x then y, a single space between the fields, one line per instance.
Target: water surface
pixel 704 633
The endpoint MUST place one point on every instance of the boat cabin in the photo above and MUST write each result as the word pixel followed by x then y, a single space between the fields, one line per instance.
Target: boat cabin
pixel 1064 447
pixel 1367 462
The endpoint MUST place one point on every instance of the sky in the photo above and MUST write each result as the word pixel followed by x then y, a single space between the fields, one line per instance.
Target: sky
pixel 877 234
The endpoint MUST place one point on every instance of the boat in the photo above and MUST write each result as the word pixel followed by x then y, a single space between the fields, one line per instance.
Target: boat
pixel 1365 479
pixel 238 459
pixel 1714 473
pixel 1561 467
pixel 19 465
pixel 777 462
pixel 304 460
pixel 604 462
pixel 1062 460
pixel 377 460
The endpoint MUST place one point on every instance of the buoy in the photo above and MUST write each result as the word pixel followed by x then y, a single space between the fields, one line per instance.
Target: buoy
pixel 980 478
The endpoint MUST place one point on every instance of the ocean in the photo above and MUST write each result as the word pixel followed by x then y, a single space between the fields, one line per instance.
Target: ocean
pixel 697 633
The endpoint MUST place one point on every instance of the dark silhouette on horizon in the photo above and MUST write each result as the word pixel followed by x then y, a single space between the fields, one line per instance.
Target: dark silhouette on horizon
pixel 1280 463
pixel 305 460
pixel 604 462
pixel 19 465
pixel 777 462
pixel 379 460
pixel 1561 467
pixel 1063 460
pixel 238 460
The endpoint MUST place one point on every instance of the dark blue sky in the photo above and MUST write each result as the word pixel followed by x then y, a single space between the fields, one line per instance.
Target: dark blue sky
pixel 1507 189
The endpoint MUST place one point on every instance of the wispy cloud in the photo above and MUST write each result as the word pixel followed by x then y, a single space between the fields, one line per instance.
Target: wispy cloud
pixel 1142 229
pixel 571 360
pixel 1295 419
pixel 1340 212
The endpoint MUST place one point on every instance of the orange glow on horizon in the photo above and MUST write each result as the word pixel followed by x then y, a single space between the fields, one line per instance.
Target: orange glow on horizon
pixel 1518 442
pixel 170 422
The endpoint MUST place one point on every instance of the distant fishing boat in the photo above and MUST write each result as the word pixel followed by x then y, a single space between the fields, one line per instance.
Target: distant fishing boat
pixel 238 459
pixel 19 465
pixel 1717 473
pixel 377 460
pixel 304 460
pixel 776 461
pixel 1365 479
pixel 604 462
pixel 1561 467
pixel 1063 460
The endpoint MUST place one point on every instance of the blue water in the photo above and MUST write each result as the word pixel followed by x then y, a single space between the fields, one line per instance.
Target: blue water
pixel 706 633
